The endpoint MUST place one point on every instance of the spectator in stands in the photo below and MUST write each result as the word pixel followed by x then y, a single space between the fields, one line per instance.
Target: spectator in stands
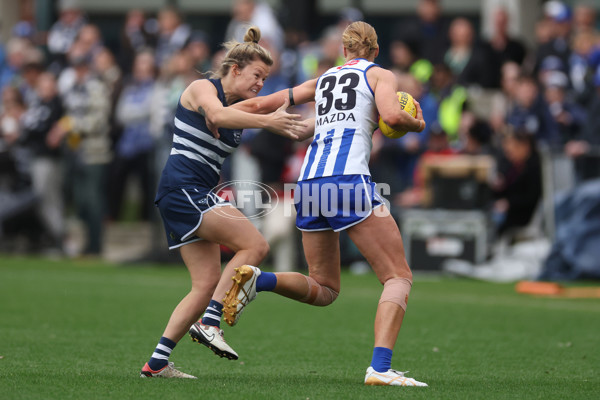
pixel 32 68
pixel 134 149
pixel 580 70
pixel 17 50
pixel 43 113
pixel 531 114
pixel 518 185
pixel 569 116
pixel 135 37
pixel 427 34
pixel 85 127
pixel 468 59
pixel 63 33
pixel 90 40
pixel 475 135
pixel 258 13
pixel 558 17
pixel 173 35
pixel 402 56
pixel 584 18
pixel 450 97
pixel 585 149
pixel 326 50
pixel 198 49
pixel 504 101
pixel 11 113
pixel 503 47
pixel 17 220
pixel 107 69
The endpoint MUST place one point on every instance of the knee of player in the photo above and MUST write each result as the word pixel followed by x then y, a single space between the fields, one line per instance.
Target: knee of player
pixel 262 248
pixel 396 290
pixel 325 296
pixel 334 294
pixel 399 272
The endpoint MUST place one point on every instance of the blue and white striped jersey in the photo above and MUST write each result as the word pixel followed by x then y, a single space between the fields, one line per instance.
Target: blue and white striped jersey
pixel 196 156
pixel 345 119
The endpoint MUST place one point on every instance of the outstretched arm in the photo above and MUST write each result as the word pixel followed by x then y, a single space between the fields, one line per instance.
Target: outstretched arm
pixel 201 96
pixel 301 94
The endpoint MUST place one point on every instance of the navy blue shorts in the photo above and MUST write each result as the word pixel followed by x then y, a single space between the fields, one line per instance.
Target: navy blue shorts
pixel 182 210
pixel 335 202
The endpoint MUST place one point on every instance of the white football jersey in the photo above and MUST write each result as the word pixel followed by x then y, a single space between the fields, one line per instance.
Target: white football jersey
pixel 345 119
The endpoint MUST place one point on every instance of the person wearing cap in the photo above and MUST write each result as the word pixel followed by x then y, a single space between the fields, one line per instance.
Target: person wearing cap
pixel 559 16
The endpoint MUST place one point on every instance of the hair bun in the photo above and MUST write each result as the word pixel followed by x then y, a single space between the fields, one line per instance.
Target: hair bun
pixel 252 35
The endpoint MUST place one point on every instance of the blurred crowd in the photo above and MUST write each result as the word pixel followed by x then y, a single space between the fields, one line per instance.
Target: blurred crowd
pixel 80 122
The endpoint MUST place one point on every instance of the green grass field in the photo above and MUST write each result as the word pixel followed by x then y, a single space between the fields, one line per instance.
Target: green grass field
pixel 83 330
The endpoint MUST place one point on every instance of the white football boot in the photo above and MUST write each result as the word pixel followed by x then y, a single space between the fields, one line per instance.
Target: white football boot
pixel 390 378
pixel 212 337
pixel 242 292
pixel 167 371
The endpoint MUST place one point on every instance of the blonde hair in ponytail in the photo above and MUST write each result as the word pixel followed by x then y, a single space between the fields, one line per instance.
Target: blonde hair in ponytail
pixel 243 54
pixel 360 39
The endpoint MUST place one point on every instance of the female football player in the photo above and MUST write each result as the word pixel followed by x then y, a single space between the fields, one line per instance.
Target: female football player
pixel 335 193
pixel 189 208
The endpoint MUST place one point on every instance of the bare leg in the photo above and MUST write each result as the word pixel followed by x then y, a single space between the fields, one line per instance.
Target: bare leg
pixel 203 261
pixel 228 226
pixel 388 321
pixel 322 251
pixel 379 240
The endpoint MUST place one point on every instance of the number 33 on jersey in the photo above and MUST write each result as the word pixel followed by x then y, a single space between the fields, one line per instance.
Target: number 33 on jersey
pixel 344 123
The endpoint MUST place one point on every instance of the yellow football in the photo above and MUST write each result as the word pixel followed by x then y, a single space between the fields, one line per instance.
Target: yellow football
pixel 408 105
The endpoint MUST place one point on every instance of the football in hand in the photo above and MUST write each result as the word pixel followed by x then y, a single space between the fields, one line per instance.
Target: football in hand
pixel 408 105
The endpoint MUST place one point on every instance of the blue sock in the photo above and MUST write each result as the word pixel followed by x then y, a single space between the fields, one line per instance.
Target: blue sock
pixel 266 282
pixel 212 315
pixel 382 359
pixel 160 357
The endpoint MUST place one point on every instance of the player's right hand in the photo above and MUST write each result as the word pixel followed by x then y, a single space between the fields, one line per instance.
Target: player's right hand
pixel 285 124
